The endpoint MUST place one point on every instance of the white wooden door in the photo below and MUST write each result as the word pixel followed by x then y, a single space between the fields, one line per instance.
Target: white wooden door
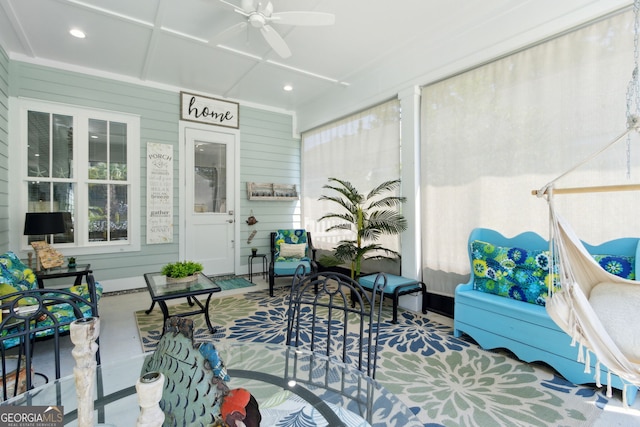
pixel 209 199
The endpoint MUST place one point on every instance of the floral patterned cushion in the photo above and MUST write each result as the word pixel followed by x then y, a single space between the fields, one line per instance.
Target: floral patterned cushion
pixel 523 274
pixel 290 237
pixel 15 273
pixel 623 266
pixel 511 272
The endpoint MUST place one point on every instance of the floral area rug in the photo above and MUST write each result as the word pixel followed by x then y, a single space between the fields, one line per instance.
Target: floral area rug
pixel 446 381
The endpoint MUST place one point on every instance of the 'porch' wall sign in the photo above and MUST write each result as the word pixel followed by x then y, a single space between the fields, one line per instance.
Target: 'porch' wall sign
pixel 210 111
pixel 159 193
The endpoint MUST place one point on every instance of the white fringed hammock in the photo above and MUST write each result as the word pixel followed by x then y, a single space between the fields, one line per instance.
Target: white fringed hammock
pixel 579 274
pixel 597 309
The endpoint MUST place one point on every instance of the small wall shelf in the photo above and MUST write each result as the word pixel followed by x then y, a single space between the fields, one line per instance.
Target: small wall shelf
pixel 268 191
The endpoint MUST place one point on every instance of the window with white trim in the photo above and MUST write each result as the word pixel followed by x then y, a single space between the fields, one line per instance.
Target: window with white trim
pixel 84 163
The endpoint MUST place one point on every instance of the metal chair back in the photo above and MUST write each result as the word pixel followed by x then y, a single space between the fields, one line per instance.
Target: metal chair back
pixel 28 315
pixel 331 314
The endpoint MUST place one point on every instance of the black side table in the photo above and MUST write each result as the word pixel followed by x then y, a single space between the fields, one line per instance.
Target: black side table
pixel 56 272
pixel 264 265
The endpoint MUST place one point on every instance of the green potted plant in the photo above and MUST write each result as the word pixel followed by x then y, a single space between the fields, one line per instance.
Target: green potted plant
pixel 369 216
pixel 72 262
pixel 181 271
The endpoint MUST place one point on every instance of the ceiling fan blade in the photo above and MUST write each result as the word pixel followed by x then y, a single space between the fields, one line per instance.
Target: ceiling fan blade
pixel 229 32
pixel 265 9
pixel 248 6
pixel 276 42
pixel 242 10
pixel 303 18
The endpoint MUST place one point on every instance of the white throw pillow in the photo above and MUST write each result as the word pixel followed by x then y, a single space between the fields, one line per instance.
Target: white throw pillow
pixel 292 250
pixel 618 307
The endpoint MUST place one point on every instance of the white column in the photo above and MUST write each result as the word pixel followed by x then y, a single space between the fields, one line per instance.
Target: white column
pixel 411 238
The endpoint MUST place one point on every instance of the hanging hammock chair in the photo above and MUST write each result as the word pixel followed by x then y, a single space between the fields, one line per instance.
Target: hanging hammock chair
pixel 597 309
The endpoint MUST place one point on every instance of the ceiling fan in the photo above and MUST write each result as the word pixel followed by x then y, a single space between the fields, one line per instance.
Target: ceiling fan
pixel 261 15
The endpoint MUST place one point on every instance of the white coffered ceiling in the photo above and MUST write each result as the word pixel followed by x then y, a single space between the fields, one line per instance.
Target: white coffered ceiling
pixel 374 49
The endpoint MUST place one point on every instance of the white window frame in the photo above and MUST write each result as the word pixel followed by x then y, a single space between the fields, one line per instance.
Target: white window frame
pixel 19 178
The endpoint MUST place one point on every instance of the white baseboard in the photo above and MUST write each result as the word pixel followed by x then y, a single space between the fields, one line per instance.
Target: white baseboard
pixel 129 283
pixel 125 284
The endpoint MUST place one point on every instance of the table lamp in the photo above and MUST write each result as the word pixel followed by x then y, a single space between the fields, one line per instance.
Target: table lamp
pixel 43 224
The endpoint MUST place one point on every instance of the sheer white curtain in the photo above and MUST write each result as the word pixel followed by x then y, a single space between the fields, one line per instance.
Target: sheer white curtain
pixel 493 134
pixel 363 149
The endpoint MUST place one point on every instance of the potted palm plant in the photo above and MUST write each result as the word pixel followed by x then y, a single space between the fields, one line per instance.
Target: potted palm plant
pixel 369 216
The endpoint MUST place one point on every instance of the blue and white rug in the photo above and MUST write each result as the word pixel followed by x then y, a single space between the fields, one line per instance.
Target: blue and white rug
pixel 446 381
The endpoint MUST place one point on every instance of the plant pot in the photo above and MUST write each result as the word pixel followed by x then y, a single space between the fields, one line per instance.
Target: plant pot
pixel 187 279
pixel 254 252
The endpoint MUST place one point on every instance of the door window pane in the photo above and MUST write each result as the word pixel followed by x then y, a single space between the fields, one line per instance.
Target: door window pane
pixel 210 177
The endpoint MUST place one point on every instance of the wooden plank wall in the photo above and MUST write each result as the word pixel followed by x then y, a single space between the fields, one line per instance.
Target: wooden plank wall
pixel 4 151
pixel 269 152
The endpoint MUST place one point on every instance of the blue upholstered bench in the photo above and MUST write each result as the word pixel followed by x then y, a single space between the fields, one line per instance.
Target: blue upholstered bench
pixel 396 287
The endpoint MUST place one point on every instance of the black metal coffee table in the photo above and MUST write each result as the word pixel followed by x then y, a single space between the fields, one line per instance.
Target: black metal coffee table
pixel 161 292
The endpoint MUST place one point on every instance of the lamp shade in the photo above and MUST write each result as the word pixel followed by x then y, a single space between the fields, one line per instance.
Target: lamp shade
pixel 42 223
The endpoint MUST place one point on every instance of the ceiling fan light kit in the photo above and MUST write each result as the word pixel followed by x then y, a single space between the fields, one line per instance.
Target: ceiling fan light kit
pixel 259 15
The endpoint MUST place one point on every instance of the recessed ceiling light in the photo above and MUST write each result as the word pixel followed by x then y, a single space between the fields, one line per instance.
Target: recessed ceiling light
pixel 77 33
pixel 288 88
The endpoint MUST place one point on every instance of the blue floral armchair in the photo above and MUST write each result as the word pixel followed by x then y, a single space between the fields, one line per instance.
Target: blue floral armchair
pixel 289 249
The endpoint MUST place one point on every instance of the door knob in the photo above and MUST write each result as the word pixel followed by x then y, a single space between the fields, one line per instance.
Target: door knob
pixel 230 221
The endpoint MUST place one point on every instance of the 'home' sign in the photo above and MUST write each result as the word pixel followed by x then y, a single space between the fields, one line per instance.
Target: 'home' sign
pixel 210 111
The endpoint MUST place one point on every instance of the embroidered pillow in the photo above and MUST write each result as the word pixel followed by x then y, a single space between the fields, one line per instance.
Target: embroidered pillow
pixel 292 250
